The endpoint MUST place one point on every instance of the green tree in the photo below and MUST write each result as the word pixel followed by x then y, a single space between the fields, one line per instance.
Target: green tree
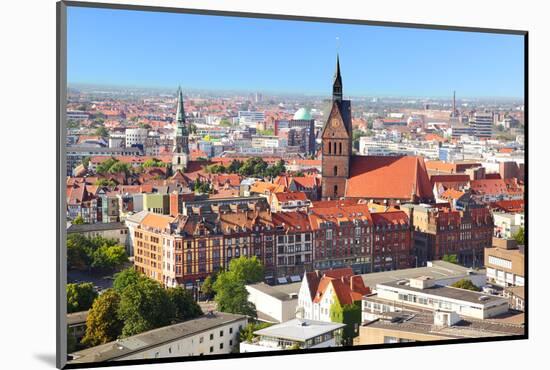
pixel 86 162
pixel 519 237
pixel 144 306
pixel 145 126
pixel 153 162
pixel 77 259
pixel 349 314
pixel 466 284
pixel 246 334
pixel 119 167
pixel 232 296
pixel 102 131
pixel 105 182
pixel 78 220
pixel 109 257
pixel 249 270
pixel 126 278
pixel 80 296
pixel 452 258
pixel 184 305
pixel 103 324
pixel 106 165
pixel 207 287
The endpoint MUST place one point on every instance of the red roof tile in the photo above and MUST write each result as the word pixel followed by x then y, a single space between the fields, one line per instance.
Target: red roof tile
pixel 384 177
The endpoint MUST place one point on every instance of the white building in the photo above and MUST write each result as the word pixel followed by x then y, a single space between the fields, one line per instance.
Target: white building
pixel 423 292
pixel 212 333
pixel 274 304
pixel 135 136
pixel 246 117
pixel 507 224
pixel 294 334
pixel 483 124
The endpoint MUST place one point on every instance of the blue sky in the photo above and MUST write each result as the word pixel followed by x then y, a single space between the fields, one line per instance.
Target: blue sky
pixel 137 48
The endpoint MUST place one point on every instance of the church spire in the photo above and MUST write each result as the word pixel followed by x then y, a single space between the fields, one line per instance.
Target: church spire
pixel 180 112
pixel 181 135
pixel 337 83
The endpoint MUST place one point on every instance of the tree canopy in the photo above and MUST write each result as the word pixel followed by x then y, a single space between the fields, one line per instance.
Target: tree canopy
pixel 452 258
pixel 103 324
pixel 231 294
pixel 80 296
pixel 520 236
pixel 252 167
pixel 95 253
pixel 466 284
pixel 144 305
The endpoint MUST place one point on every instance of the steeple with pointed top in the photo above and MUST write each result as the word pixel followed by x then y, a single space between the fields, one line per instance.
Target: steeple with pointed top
pixel 181 138
pixel 180 112
pixel 337 93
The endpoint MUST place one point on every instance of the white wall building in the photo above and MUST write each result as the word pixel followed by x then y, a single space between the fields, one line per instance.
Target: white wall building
pixel 273 303
pixel 301 333
pixel 425 293
pixel 508 224
pixel 135 136
pixel 216 333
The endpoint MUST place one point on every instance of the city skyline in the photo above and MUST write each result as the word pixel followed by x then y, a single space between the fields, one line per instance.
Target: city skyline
pixel 244 54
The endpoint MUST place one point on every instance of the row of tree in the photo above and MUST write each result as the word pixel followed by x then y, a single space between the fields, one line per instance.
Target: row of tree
pixel 136 304
pixel 94 254
pixel 252 167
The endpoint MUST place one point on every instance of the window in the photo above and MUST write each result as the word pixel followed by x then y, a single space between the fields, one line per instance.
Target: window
pixel 335 190
pixel 211 349
pixel 211 336
pixel 201 339
pixel 230 330
pixel 335 170
pixel 221 345
pixel 221 333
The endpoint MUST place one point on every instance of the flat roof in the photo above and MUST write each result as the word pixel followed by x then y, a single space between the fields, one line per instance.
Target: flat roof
pixel 277 291
pixel 99 226
pixel 150 339
pixel 449 292
pixel 423 323
pixel 75 318
pixel 299 329
pixel 438 270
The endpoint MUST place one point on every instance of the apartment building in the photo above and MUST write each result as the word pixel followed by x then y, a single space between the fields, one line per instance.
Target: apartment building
pixel 505 263
pixel 463 231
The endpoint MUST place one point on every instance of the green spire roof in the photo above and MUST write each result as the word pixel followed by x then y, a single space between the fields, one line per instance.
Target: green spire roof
pixel 302 113
pixel 180 112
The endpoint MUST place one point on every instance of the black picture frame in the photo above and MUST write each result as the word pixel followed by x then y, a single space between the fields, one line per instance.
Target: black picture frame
pixel 61 267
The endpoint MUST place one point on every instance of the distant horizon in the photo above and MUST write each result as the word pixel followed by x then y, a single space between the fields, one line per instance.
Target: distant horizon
pixel 173 89
pixel 160 50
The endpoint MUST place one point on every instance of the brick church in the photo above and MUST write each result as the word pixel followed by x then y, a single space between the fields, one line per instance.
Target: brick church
pixel 391 179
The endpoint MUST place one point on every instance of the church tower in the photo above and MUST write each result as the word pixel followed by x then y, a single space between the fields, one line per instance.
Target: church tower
pixel 181 138
pixel 336 142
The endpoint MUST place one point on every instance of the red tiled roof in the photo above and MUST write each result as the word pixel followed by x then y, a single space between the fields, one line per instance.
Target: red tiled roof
pixel 292 221
pixel 449 178
pixel 384 177
pixel 509 205
pixel 290 195
pixel 390 218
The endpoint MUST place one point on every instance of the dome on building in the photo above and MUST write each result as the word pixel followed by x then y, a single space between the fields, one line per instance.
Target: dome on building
pixel 302 113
